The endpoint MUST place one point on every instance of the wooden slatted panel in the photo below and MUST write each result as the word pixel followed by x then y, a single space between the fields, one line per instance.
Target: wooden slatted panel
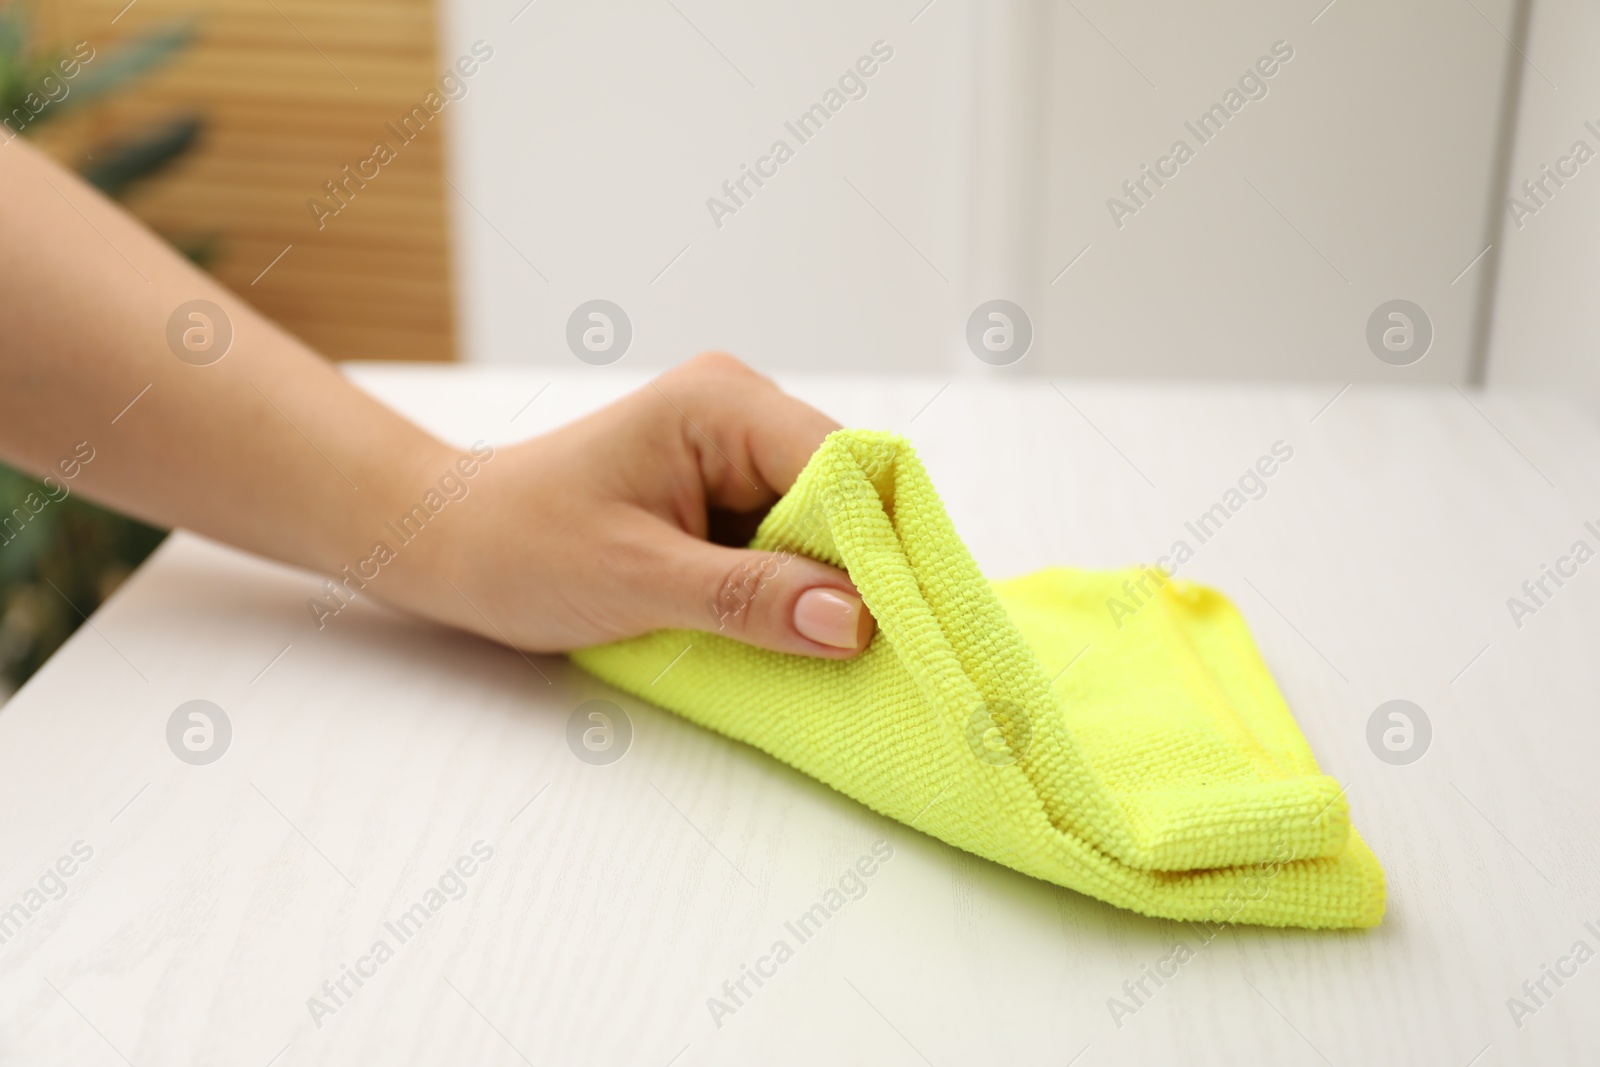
pixel 273 79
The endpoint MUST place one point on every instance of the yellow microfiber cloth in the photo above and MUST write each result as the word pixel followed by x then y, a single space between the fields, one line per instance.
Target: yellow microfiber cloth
pixel 1149 761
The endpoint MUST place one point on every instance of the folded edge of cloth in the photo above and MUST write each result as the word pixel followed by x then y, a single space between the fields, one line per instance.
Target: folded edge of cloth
pixel 1174 803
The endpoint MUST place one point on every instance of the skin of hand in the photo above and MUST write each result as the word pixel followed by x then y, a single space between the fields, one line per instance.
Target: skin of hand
pixel 594 532
pixel 598 530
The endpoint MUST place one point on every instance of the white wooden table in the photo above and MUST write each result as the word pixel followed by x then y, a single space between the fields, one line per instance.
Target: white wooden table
pixel 366 760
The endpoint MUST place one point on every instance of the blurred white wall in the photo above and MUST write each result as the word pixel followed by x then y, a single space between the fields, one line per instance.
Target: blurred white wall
pixel 1547 315
pixel 1363 175
pixel 979 164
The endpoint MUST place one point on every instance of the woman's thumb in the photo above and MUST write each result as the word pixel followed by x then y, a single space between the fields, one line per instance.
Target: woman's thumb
pixel 777 600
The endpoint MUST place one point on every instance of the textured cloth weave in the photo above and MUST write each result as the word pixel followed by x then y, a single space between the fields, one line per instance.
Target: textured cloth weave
pixel 1150 762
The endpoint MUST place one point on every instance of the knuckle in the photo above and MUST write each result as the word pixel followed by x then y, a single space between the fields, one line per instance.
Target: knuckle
pixel 736 598
pixel 719 362
pixel 721 369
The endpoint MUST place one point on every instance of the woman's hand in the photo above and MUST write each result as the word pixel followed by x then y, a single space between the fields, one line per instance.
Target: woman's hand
pixel 598 530
pixel 591 533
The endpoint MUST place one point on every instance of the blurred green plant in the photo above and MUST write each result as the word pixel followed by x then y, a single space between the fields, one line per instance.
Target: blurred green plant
pixel 63 564
pixel 68 557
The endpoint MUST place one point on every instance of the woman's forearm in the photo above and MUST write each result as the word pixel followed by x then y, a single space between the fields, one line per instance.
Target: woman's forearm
pixel 267 447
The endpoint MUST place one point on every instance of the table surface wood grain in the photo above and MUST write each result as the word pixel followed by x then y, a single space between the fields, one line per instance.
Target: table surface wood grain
pixel 602 907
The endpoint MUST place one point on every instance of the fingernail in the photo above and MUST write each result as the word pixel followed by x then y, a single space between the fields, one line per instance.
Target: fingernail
pixel 833 618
